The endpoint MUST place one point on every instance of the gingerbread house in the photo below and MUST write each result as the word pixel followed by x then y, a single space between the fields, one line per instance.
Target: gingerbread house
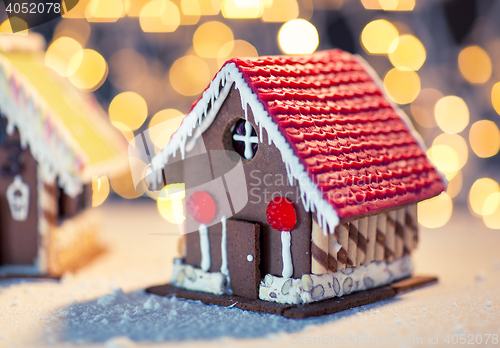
pixel 333 173
pixel 53 139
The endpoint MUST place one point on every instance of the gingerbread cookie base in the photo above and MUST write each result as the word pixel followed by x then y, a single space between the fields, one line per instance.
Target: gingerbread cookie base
pixel 28 276
pixel 80 264
pixel 329 306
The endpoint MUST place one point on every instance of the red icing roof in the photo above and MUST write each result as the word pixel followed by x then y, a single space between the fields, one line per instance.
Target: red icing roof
pixel 351 141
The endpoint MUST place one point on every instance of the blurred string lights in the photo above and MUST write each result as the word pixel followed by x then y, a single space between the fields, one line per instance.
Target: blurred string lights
pixel 454 103
pixel 433 110
pixel 389 5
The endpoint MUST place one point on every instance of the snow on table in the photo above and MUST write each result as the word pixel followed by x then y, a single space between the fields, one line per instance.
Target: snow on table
pixel 104 305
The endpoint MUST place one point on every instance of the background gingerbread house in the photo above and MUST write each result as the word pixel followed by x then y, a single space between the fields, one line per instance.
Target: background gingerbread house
pixel 53 139
pixel 318 133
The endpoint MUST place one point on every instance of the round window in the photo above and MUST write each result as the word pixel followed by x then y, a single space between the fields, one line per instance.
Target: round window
pixel 244 139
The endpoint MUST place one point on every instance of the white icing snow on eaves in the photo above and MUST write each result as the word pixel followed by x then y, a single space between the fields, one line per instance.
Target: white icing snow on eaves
pixel 311 196
pixel 52 162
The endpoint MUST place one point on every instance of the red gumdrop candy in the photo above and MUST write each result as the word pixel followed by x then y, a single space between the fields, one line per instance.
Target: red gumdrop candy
pixel 201 207
pixel 280 214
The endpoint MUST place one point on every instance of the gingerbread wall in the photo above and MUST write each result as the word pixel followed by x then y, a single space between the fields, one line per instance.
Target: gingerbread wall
pixel 265 176
pixel 71 206
pixel 18 239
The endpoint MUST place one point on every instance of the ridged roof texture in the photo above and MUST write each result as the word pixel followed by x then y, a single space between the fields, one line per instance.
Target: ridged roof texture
pixel 353 144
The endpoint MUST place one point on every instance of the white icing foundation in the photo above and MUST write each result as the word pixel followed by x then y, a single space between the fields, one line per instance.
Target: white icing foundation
pixel 188 277
pixel 286 241
pixel 312 288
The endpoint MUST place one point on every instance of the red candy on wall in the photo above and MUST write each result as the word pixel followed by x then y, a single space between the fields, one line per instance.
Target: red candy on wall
pixel 280 214
pixel 201 207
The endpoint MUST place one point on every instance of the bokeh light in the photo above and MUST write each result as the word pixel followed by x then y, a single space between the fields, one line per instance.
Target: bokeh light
pixel 491 210
pixel 495 97
pixel 18 23
pixel 144 69
pixel 479 192
pixel 209 7
pixel 445 158
pixel 241 8
pixel 152 88
pixel 135 7
pixel 64 55
pixel 100 190
pixel 129 109
pixel 127 133
pixel 91 72
pixel 405 5
pixel 298 36
pixel 455 185
pixel 409 53
pixel 122 181
pixel 238 48
pixel 159 16
pixel 402 86
pixel 484 138
pixel 474 64
pixel 371 4
pixel 78 11
pixel 78 29
pixel 457 143
pixel 422 108
pixel 127 68
pixel 162 125
pixel 435 212
pixel 491 203
pixel 189 75
pixel 170 204
pixel 452 114
pixel 210 37
pixel 281 11
pixel 104 10
pixel 389 5
pixel 191 12
pixel 190 7
pixel 378 37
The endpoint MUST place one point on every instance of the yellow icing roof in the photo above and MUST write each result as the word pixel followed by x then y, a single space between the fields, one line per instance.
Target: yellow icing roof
pixel 78 111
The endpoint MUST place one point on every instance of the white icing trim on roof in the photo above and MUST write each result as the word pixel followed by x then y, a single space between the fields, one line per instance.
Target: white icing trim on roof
pixel 311 196
pixel 51 156
pixel 32 42
pixel 396 108
pixel 197 116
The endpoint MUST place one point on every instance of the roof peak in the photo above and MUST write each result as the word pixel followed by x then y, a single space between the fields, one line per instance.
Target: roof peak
pixel 350 149
pixel 324 56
